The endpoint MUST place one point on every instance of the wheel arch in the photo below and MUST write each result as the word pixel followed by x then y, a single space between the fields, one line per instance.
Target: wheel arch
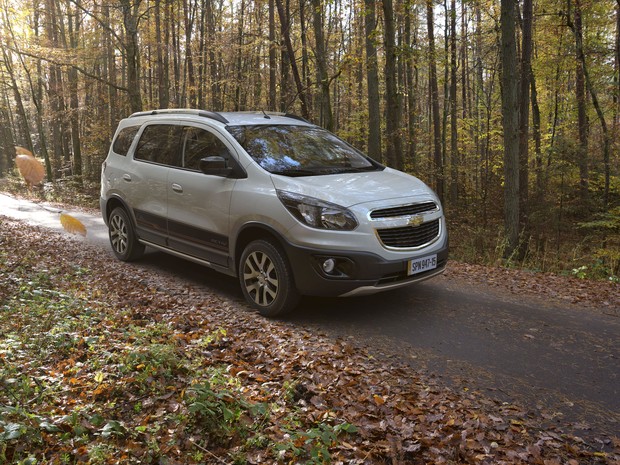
pixel 114 202
pixel 253 232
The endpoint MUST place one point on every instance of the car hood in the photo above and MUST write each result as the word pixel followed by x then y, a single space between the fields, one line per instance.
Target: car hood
pixel 349 189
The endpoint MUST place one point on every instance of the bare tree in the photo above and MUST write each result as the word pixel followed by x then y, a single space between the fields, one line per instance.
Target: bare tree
pixel 327 117
pixel 511 124
pixel 372 76
pixel 432 62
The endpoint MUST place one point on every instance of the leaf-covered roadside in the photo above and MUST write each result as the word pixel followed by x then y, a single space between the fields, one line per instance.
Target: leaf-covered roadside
pixel 101 363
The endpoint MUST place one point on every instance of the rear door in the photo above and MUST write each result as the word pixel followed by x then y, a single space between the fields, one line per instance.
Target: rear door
pixel 159 148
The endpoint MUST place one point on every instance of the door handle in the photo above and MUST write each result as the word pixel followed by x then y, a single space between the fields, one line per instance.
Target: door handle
pixel 127 177
pixel 177 188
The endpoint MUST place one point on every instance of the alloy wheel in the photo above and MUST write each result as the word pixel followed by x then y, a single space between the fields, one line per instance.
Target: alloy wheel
pixel 260 278
pixel 119 235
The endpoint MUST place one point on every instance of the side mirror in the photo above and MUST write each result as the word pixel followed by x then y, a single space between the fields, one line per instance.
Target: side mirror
pixel 216 166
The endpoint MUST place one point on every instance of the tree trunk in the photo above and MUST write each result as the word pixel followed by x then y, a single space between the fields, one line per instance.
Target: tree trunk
pixel 479 129
pixel 202 54
pixel 132 50
pixel 537 141
pixel 327 117
pixel 465 82
pixel 216 89
pixel 446 84
pixel 454 152
pixel 162 71
pixel 577 29
pixel 437 147
pixel 7 144
pixel 511 125
pixel 291 58
pixel 580 90
pixel 394 152
pixel 273 64
pixel 410 71
pixel 305 60
pixel 37 98
pixel 285 66
pixel 190 17
pixel 55 92
pixel 372 76
pixel 110 63
pixel 74 102
pixel 239 60
pixel 616 111
pixel 524 119
pixel 23 136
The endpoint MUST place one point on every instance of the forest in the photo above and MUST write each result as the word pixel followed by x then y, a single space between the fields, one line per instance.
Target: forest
pixel 509 109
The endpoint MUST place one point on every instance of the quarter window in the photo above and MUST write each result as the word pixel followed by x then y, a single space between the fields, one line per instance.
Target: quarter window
pixel 124 139
pixel 160 143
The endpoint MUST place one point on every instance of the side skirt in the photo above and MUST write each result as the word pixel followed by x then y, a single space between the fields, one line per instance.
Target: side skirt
pixel 200 261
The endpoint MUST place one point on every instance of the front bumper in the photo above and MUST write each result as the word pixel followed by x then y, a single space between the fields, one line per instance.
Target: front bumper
pixel 362 272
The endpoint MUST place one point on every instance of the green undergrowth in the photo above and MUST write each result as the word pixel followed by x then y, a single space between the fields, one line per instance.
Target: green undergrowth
pixel 586 249
pixel 87 379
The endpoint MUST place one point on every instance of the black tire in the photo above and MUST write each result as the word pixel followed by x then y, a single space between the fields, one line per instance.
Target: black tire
pixel 267 280
pixel 123 238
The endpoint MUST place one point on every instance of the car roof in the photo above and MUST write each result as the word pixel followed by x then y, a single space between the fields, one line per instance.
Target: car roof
pixel 239 118
pixel 236 118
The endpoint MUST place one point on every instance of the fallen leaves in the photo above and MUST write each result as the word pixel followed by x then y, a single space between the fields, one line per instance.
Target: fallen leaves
pixel 137 366
pixel 566 289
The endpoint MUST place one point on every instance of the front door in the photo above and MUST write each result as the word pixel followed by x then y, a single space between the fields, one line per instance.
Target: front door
pixel 199 204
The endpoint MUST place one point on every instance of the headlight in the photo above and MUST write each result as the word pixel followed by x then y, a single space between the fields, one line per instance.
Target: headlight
pixel 317 213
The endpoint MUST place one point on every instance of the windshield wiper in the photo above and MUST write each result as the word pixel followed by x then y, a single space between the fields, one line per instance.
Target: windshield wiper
pixel 293 172
pixel 344 169
pixel 357 170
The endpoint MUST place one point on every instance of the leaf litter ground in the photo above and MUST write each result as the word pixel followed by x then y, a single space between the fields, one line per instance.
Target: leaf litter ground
pixel 101 362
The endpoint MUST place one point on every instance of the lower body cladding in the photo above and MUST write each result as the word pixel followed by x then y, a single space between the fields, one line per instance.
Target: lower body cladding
pixel 344 273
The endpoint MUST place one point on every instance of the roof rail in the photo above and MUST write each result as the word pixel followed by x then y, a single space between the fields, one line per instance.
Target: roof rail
pixel 180 111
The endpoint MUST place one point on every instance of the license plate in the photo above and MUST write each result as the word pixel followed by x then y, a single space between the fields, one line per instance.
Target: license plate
pixel 419 265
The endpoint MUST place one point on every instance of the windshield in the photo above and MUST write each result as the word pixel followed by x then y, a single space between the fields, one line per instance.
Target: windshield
pixel 300 150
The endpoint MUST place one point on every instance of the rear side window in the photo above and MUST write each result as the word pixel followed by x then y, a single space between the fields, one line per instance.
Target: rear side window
pixel 160 143
pixel 124 139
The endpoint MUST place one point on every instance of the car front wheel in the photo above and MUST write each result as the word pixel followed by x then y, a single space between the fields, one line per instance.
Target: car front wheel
pixel 123 237
pixel 266 279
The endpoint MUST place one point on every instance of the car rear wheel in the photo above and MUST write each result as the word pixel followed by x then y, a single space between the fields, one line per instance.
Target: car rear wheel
pixel 123 237
pixel 267 280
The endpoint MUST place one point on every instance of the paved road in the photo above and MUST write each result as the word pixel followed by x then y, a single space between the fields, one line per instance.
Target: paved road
pixel 561 363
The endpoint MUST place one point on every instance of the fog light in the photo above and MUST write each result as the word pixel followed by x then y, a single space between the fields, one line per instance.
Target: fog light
pixel 329 265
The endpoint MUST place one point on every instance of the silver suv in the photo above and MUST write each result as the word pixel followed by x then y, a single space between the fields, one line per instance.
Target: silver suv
pixel 287 207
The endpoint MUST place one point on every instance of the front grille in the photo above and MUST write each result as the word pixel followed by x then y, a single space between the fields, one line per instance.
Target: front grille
pixel 403 210
pixel 409 236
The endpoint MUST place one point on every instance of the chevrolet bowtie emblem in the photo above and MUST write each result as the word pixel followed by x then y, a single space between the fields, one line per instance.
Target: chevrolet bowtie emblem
pixel 415 221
